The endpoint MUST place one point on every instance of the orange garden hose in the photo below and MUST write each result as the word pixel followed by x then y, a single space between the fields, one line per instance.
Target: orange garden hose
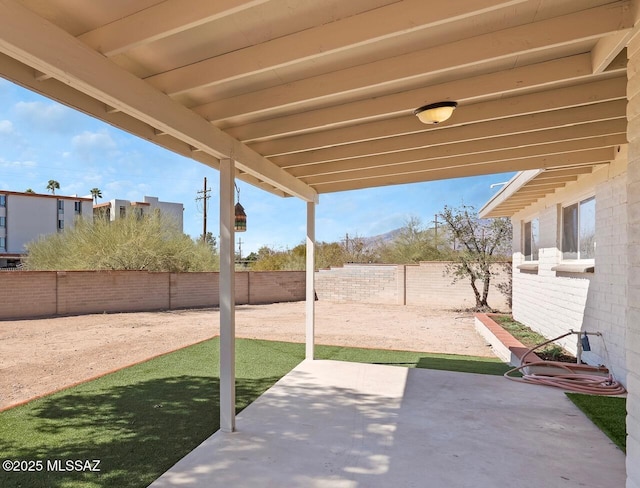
pixel 591 384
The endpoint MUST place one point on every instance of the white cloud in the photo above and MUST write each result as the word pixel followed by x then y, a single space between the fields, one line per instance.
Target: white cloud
pixel 91 141
pixel 51 117
pixel 94 147
pixel 17 164
pixel 6 127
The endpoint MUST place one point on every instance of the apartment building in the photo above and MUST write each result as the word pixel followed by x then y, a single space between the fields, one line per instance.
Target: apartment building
pixel 24 217
pixel 115 209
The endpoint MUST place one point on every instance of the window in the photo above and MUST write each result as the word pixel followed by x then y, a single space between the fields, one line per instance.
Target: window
pixel 77 207
pixel 123 212
pixel 3 244
pixel 531 240
pixel 60 224
pixel 60 206
pixel 579 230
pixel 3 222
pixel 3 200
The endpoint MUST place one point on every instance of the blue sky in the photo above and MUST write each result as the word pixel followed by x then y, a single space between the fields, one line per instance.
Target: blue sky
pixel 42 140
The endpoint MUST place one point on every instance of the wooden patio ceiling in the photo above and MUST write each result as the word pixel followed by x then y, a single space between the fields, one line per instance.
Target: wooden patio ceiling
pixel 311 96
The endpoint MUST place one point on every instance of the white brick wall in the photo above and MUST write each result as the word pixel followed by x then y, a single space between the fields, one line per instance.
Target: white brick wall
pixel 632 318
pixel 553 303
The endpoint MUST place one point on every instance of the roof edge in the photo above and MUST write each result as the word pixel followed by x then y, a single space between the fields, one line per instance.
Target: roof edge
pixel 513 185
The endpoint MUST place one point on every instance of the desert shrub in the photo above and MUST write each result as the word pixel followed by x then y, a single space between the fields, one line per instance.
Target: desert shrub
pixel 151 242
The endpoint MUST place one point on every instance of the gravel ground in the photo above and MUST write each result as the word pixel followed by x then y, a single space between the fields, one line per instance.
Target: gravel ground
pixel 39 356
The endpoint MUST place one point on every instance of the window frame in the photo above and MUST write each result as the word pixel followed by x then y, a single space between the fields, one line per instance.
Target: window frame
pixel 578 203
pixel 3 200
pixel 524 240
pixel 3 222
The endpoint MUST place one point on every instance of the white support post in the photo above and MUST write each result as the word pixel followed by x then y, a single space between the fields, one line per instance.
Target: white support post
pixel 310 285
pixel 227 299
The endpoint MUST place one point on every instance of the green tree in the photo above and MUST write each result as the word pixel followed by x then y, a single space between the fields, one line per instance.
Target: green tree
pixel 482 243
pixel 52 186
pixel 272 260
pixel 210 240
pixel 413 244
pixel 96 193
pixel 29 190
pixel 152 243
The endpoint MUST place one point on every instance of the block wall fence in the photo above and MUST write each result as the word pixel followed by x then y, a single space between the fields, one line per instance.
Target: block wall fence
pixel 30 294
pixel 27 294
pixel 427 283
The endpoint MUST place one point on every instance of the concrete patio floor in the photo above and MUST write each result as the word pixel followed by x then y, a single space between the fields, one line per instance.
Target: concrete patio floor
pixel 345 425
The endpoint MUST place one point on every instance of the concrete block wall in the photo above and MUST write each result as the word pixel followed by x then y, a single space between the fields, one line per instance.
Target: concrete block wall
pixel 425 284
pixel 28 294
pixel 553 302
pixel 633 263
pixel 362 283
pixel 81 292
pixel 275 286
pixel 190 290
pixel 430 284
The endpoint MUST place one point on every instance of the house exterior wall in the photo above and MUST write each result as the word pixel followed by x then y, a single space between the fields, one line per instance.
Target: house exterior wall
pixel 29 216
pixel 427 283
pixel 27 294
pixel 555 302
pixel 174 211
pixel 633 263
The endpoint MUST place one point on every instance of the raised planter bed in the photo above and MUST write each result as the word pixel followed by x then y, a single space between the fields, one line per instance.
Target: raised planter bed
pixel 511 350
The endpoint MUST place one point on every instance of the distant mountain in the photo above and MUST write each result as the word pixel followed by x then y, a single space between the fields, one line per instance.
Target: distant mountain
pixel 385 238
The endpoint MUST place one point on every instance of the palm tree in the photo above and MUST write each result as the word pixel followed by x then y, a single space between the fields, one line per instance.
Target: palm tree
pixel 96 193
pixel 53 186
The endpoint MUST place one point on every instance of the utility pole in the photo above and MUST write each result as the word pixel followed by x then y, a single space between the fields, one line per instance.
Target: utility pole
pixel 239 248
pixel 435 221
pixel 204 197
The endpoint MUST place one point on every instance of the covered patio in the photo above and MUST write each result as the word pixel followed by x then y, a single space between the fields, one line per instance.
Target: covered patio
pixel 333 424
pixel 302 97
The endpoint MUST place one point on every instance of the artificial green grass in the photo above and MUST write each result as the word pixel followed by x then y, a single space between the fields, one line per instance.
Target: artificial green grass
pixel 141 420
pixel 608 413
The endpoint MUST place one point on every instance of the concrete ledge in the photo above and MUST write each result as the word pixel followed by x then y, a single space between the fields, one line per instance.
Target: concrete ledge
pixel 506 347
pixel 511 350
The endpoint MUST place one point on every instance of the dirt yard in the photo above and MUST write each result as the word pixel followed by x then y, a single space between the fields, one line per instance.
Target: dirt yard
pixel 39 356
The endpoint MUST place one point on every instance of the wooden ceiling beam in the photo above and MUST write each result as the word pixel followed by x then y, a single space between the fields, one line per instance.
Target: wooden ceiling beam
pixel 365 28
pixel 607 48
pixel 159 21
pixel 531 103
pixel 573 123
pixel 598 156
pixel 557 180
pixel 514 41
pixel 411 165
pixel 497 84
pixel 45 47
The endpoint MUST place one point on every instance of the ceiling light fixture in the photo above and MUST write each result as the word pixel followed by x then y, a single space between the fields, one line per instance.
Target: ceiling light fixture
pixel 435 113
